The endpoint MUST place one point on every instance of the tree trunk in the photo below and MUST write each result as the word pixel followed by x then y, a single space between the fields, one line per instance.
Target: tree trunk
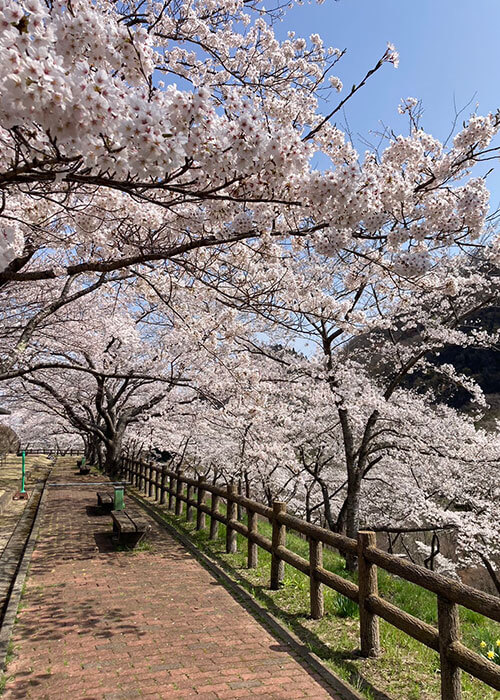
pixel 100 456
pixel 341 524
pixel 352 516
pixel 113 450
pixel 247 484
pixel 92 449
pixel 493 574
pixel 327 508
pixel 308 505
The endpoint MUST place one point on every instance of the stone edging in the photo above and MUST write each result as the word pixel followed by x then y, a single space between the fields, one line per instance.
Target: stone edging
pixel 17 587
pixel 342 689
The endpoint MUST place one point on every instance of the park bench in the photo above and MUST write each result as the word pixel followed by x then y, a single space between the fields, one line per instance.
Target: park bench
pixel 84 468
pixel 105 500
pixel 127 529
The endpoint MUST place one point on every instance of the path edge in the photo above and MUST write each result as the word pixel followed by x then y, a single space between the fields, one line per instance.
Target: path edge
pixel 17 587
pixel 343 689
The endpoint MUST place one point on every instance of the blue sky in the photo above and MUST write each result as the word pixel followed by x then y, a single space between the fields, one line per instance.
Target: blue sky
pixel 449 54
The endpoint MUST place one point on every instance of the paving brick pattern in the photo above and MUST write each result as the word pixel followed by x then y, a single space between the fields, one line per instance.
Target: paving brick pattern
pixel 97 623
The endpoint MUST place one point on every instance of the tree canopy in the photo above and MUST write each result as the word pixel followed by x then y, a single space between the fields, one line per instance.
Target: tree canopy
pixel 178 273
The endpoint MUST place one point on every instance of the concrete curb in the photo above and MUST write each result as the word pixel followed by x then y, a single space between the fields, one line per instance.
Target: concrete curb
pixel 17 587
pixel 341 688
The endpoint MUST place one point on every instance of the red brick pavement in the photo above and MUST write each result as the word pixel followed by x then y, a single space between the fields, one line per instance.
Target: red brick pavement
pixel 96 623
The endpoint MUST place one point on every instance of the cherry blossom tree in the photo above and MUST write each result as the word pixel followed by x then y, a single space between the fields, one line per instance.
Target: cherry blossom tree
pixel 109 360
pixel 108 163
pixel 166 243
pixel 422 487
pixel 98 372
pixel 371 334
pixel 26 311
pixel 39 428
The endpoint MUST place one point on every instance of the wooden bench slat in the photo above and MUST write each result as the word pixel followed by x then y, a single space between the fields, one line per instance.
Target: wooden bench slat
pixel 124 524
pixel 104 498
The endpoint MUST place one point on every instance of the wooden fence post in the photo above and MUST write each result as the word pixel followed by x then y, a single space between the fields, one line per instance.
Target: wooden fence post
pixel 150 488
pixel 214 524
pixel 178 493
pixel 315 587
pixel 172 487
pixel 156 488
pixel 278 540
pixel 189 508
pixel 200 515
pixel 162 486
pixel 157 485
pixel 240 508
pixel 232 512
pixel 252 546
pixel 368 585
pixel 449 632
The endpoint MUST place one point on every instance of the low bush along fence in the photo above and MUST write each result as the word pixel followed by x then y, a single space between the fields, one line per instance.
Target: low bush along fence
pixel 161 483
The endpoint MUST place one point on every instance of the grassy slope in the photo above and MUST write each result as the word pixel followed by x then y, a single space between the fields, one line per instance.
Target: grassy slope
pixel 407 670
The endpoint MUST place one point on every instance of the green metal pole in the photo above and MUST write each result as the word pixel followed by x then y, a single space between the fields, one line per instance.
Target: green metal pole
pixel 119 503
pixel 22 481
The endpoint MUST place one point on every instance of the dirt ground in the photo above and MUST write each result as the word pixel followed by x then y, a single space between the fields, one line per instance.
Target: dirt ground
pixel 37 467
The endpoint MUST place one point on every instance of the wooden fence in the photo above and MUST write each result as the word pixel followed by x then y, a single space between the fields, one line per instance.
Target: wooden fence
pixel 161 483
pixel 47 449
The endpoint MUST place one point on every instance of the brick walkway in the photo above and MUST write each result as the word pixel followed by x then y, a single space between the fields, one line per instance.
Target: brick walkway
pixel 99 624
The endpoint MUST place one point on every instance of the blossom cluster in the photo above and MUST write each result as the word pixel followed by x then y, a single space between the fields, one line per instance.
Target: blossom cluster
pixel 90 112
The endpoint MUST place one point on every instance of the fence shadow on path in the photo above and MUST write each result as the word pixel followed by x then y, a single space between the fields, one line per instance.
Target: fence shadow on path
pixel 252 600
pixel 310 640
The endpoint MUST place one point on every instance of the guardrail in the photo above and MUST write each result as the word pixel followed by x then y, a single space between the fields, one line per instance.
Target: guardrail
pixel 158 482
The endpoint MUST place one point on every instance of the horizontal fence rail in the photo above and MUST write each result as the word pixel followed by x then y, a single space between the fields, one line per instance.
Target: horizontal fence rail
pixel 185 493
pixel 48 450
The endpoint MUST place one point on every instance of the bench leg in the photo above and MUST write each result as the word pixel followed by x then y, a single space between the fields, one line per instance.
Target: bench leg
pixel 140 538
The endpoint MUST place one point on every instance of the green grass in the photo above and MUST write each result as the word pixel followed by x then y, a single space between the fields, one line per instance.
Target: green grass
pixel 8 658
pixel 143 546
pixel 407 670
pixel 10 652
